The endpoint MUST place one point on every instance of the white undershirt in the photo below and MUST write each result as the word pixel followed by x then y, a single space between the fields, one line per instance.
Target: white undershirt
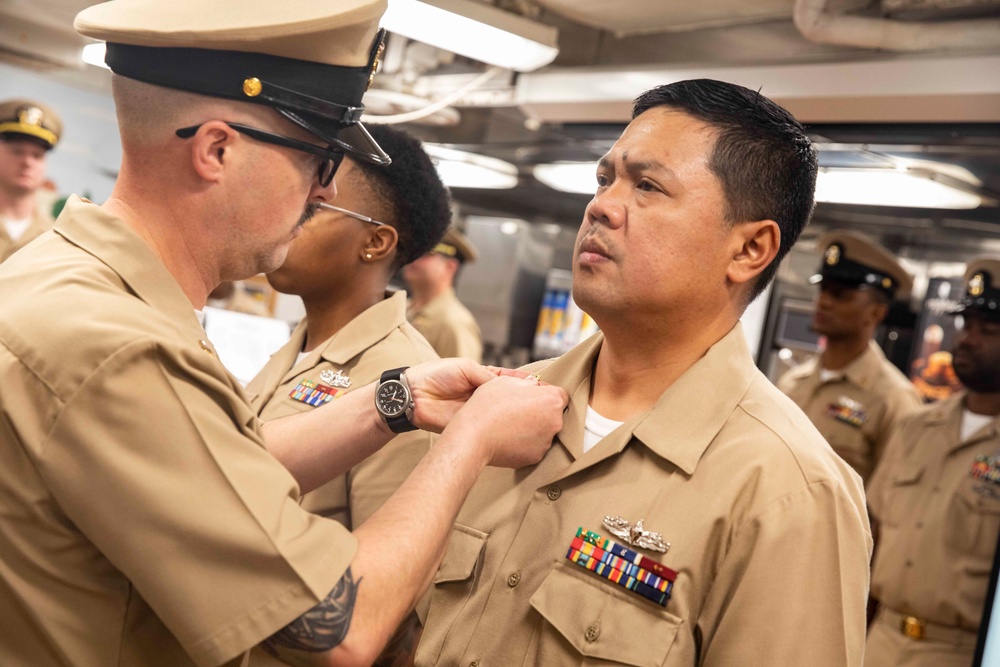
pixel 596 428
pixel 971 422
pixel 16 228
pixel 826 375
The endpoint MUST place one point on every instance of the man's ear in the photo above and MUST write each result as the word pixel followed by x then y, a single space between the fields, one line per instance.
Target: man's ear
pixel 877 312
pixel 210 150
pixel 381 243
pixel 755 245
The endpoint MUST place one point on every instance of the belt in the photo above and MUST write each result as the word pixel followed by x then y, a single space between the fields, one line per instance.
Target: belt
pixel 919 629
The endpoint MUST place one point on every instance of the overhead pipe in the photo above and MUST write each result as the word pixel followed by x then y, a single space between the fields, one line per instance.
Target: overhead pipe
pixel 817 24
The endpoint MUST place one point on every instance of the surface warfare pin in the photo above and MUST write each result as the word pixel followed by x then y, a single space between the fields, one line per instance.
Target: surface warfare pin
pixel 335 379
pixel 635 535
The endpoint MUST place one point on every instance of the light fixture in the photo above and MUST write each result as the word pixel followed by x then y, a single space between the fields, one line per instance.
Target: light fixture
pixel 509 227
pixel 575 177
pixel 93 54
pixel 911 188
pixel 474 30
pixel 460 169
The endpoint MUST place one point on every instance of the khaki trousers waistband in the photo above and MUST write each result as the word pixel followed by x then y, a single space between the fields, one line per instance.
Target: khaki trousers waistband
pixel 918 629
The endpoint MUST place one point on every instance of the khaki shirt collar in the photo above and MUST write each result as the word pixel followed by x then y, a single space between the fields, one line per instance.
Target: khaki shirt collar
pixel 864 370
pixel 949 413
pixel 110 240
pixel 682 423
pixel 358 335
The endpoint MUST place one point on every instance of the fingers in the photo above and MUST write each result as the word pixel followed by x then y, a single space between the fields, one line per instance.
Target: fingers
pixel 508 372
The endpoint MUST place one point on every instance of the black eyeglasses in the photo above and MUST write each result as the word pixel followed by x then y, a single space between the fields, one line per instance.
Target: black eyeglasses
pixel 350 214
pixel 328 165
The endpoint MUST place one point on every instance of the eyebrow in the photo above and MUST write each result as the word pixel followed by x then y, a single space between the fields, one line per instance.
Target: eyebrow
pixel 638 166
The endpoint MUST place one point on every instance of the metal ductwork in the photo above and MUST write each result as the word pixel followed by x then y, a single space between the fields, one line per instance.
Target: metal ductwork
pixel 818 23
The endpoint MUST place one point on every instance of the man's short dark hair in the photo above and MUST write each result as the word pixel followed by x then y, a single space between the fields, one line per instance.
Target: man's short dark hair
pixel 417 202
pixel 762 156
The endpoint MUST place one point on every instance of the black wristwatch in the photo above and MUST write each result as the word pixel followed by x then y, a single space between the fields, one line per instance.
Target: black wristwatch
pixel 394 401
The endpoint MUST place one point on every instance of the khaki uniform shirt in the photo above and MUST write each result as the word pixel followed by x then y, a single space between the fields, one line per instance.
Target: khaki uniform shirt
pixel 144 522
pixel 857 412
pixel 767 530
pixel 938 516
pixel 375 341
pixel 449 327
pixel 41 222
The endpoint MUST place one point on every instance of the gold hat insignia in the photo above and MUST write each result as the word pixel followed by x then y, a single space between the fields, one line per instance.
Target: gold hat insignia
pixel 375 64
pixel 30 116
pixel 832 255
pixel 977 284
pixel 252 87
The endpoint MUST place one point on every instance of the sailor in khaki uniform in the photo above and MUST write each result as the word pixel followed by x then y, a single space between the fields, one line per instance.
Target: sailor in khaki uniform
pixel 688 514
pixel 149 518
pixel 935 498
pixel 28 131
pixel 851 392
pixel 435 310
pixel 354 330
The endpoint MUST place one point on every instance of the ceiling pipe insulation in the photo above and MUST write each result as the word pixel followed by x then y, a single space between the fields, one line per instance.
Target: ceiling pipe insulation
pixel 817 24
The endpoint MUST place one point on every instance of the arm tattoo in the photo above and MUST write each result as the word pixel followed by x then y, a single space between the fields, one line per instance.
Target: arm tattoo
pixel 324 626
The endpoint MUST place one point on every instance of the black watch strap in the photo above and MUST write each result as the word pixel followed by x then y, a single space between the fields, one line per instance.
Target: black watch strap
pixel 400 423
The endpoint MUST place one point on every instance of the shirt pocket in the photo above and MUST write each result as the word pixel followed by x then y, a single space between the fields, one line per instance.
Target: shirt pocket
pixel 600 623
pixel 974 521
pixel 900 495
pixel 850 444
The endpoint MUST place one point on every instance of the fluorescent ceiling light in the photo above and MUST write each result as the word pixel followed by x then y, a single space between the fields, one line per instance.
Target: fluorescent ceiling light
pixel 888 187
pixel 908 188
pixel 576 177
pixel 93 54
pixel 459 169
pixel 474 30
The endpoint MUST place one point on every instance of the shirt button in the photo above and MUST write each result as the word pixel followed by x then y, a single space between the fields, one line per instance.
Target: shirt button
pixel 593 632
pixel 554 493
pixel 514 579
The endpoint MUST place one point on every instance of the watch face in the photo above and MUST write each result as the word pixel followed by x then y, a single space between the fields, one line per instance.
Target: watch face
pixel 392 398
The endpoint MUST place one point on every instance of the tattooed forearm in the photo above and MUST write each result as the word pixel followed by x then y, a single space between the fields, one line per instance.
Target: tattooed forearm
pixel 324 626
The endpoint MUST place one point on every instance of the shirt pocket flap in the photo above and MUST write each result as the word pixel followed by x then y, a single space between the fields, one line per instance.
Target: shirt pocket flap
pixel 983 498
pixel 464 547
pixel 602 622
pixel 908 474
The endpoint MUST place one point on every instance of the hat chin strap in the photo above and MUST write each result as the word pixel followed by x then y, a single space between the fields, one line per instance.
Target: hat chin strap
pixel 378 158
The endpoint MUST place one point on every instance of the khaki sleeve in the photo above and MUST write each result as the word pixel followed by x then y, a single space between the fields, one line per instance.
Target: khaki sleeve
pixel 158 462
pixel 895 449
pixel 793 586
pixel 371 482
